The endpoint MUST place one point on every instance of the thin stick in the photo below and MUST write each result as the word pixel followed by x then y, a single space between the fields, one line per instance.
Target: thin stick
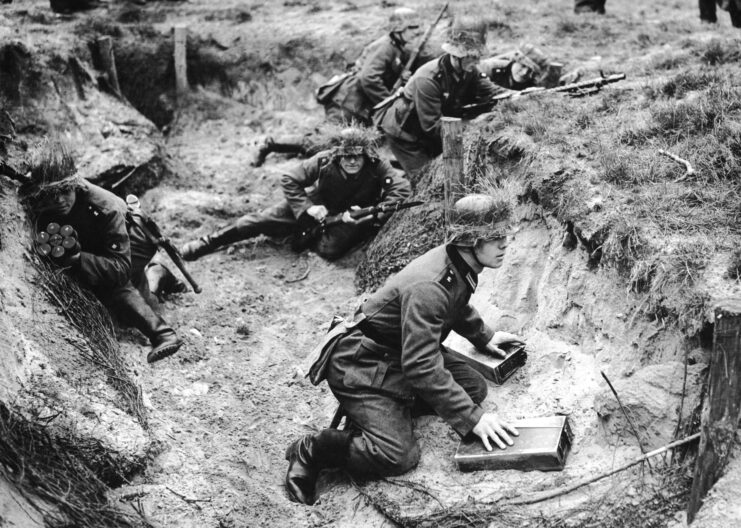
pixel 625 413
pixel 126 177
pixel 187 499
pixel 414 486
pixel 688 166
pixel 569 489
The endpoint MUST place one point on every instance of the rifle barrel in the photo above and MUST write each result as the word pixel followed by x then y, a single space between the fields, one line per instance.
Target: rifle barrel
pixel 418 50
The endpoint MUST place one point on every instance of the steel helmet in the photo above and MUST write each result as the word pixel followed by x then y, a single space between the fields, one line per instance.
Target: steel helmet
pixel 478 217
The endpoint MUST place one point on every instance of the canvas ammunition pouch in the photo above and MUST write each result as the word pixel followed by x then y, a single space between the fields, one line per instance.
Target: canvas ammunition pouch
pixel 318 359
pixel 396 119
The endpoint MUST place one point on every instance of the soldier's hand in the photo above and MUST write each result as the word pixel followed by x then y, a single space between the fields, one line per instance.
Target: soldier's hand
pixel 317 212
pixel 492 427
pixel 405 76
pixel 502 338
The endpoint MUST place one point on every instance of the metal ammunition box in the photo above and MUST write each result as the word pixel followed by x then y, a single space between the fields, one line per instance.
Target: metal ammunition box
pixel 496 370
pixel 543 445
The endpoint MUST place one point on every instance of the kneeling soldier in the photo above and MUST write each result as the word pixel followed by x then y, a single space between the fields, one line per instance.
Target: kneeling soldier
pixel 329 183
pixel 110 258
pixel 390 365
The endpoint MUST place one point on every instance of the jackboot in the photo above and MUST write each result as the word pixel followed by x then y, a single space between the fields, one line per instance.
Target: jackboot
pixel 208 244
pixel 308 456
pixel 264 147
pixel 136 311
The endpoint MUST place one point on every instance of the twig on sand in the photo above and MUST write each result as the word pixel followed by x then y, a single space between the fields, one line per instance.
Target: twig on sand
pixel 625 413
pixel 189 500
pixel 688 166
pixel 573 487
pixel 416 487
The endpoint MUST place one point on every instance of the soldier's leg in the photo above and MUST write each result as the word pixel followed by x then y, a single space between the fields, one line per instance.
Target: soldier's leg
pixel 464 375
pixel 127 302
pixel 589 6
pixel 707 11
pixel 735 11
pixel 339 239
pixel 294 144
pixel 276 220
pixel 382 441
pixel 411 156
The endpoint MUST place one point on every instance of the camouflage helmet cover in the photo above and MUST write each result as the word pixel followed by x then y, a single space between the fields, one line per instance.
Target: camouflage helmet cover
pixel 532 58
pixel 53 172
pixel 402 18
pixel 466 38
pixel 355 141
pixel 478 217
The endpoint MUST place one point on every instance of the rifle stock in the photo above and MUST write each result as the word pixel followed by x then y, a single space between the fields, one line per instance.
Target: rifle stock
pixel 152 231
pixel 419 48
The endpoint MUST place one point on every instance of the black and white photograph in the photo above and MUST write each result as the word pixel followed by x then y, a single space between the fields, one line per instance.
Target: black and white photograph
pixel 370 263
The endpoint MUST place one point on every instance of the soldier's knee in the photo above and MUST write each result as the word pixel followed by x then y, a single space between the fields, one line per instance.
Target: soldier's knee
pixel 399 462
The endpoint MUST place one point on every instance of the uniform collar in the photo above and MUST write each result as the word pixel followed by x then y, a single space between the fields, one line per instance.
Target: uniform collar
pixel 469 276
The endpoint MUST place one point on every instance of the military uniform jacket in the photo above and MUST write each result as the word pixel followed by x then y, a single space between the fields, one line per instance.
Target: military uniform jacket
pixel 376 72
pixel 99 217
pixel 406 322
pixel 319 180
pixel 435 90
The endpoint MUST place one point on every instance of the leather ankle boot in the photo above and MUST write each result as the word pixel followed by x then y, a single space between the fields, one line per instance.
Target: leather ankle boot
pixel 161 336
pixel 208 244
pixel 308 456
pixel 264 147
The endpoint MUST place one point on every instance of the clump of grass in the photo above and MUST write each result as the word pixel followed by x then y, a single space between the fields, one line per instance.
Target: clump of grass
pixel 718 52
pixel 625 245
pixel 733 271
pixel 684 82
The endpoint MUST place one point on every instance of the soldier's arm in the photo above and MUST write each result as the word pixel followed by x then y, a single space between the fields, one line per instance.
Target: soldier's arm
pixel 295 182
pixel 485 89
pixel 371 74
pixel 428 101
pixel 471 326
pixel 113 266
pixel 422 311
pixel 395 187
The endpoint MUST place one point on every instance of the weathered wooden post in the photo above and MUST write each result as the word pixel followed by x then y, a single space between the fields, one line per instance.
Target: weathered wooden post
pixel 721 411
pixel 181 70
pixel 453 185
pixel 108 61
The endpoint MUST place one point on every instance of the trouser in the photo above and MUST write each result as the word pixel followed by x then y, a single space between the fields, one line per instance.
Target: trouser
pixel 131 302
pixel 341 116
pixel 585 6
pixel 383 440
pixel 278 221
pixel 412 156
pixel 708 11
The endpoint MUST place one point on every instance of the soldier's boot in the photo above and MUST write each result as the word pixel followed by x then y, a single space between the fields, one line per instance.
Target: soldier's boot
pixel 162 337
pixel 195 249
pixel 308 456
pixel 264 147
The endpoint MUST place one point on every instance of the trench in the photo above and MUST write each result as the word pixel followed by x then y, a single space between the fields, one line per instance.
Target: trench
pixel 224 409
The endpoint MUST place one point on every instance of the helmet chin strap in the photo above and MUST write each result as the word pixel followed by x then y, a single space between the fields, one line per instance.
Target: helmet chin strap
pixel 475 257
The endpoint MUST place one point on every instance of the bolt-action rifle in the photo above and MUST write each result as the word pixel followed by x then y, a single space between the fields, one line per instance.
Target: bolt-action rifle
pixel 309 229
pixel 152 231
pixel 577 89
pixel 419 48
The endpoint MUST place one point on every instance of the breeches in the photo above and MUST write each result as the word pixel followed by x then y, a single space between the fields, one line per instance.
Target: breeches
pixel 278 221
pixel 383 442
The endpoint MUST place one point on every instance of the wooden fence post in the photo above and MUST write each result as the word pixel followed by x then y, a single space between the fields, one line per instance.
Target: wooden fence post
pixel 721 411
pixel 453 170
pixel 181 71
pixel 108 61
